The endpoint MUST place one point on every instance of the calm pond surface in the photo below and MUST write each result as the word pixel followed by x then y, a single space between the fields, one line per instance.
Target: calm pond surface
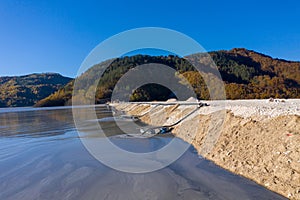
pixel 42 157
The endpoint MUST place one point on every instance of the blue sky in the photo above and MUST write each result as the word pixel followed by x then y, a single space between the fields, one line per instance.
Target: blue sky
pixel 56 36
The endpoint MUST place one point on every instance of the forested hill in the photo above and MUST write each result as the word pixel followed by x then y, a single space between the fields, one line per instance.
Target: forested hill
pixel 29 89
pixel 254 75
pixel 246 74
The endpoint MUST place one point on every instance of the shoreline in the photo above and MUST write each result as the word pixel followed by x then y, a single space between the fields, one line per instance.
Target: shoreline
pixel 256 139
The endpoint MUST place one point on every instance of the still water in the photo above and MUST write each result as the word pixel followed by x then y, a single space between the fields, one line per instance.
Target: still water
pixel 42 157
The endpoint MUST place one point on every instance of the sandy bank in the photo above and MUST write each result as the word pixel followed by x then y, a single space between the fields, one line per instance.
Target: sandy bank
pixel 257 139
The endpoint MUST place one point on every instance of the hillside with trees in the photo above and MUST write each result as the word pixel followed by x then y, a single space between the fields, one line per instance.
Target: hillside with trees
pixel 246 75
pixel 29 89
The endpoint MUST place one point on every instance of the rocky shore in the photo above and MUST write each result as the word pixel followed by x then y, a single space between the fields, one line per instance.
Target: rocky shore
pixel 257 139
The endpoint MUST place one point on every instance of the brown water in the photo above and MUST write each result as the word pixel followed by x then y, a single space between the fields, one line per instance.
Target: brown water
pixel 41 157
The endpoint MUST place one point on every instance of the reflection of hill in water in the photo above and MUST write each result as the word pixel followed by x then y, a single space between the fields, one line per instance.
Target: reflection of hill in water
pixel 36 122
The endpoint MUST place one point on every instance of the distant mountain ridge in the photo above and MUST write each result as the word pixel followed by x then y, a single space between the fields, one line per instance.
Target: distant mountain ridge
pixel 273 66
pixel 247 75
pixel 27 90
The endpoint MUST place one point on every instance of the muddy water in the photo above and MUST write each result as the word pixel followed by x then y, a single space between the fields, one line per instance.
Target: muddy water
pixel 42 157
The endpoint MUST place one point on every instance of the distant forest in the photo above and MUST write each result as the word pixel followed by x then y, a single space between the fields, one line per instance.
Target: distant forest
pixel 29 89
pixel 246 74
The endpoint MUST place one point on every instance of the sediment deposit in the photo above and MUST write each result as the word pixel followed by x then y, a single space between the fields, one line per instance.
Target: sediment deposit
pixel 257 139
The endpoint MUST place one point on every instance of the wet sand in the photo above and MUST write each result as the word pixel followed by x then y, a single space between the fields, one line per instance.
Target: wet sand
pixel 64 170
pixel 43 158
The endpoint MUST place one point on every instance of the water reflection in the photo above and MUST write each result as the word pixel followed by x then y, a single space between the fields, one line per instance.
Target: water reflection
pixel 36 123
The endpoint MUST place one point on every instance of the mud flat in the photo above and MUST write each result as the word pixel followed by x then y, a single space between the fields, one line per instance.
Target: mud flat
pixel 257 139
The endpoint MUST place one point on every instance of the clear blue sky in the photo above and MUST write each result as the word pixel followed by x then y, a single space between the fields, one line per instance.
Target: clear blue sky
pixel 56 35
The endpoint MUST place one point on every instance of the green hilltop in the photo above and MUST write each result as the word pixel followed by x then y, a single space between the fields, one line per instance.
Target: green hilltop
pixel 246 74
pixel 29 89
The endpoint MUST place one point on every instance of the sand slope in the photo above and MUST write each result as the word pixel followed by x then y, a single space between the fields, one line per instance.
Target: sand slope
pixel 257 139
